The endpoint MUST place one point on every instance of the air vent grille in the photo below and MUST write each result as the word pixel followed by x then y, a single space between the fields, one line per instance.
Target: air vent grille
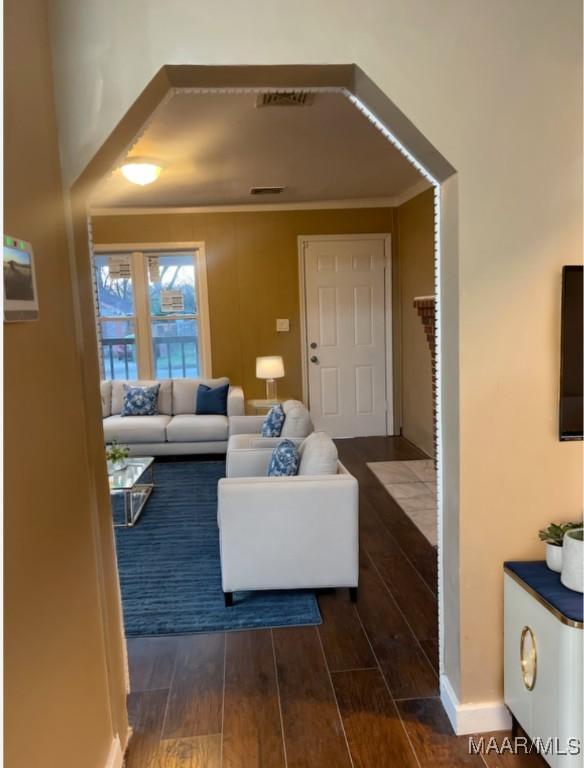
pixel 266 190
pixel 284 99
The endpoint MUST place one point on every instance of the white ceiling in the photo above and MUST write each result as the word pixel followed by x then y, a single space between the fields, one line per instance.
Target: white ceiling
pixel 214 147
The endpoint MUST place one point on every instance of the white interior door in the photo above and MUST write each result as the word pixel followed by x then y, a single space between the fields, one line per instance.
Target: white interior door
pixel 345 284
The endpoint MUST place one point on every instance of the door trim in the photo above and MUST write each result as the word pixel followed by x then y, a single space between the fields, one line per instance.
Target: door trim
pixel 200 259
pixel 386 237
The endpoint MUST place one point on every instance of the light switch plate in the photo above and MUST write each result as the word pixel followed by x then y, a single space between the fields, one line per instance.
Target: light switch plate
pixel 283 325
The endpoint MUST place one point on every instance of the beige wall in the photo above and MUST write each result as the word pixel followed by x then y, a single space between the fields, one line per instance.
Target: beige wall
pixel 252 272
pixel 506 112
pixel 414 245
pixel 56 669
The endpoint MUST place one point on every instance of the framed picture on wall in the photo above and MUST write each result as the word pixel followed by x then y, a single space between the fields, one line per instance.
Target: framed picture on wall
pixel 20 289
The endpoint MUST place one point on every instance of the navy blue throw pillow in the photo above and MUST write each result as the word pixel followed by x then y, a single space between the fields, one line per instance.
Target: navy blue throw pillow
pixel 285 460
pixel 212 401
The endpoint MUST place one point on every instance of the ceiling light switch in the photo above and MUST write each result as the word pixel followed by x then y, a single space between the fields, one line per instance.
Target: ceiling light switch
pixel 283 326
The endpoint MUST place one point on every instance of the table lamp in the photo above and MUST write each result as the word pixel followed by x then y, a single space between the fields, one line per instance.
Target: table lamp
pixel 270 369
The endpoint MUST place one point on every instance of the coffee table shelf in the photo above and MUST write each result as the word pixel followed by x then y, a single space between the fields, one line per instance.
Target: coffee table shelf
pixel 136 492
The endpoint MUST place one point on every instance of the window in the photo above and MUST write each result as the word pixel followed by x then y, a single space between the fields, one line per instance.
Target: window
pixel 151 310
pixel 116 322
pixel 175 342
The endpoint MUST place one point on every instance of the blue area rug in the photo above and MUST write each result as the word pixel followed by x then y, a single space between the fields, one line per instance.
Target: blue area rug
pixel 170 572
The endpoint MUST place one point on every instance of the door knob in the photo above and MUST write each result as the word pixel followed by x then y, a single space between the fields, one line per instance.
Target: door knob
pixel 313 345
pixel 314 359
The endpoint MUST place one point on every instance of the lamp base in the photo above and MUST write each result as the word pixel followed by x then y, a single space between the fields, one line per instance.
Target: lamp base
pixel 271 389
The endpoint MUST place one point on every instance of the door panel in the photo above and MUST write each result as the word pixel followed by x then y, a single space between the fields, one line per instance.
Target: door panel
pixel 364 389
pixel 346 322
pixel 329 389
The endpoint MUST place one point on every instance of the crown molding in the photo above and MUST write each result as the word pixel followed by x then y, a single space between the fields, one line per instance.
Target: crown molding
pixel 368 202
pixel 373 202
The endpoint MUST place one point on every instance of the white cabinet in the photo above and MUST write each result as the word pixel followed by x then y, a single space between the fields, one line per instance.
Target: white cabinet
pixel 543 671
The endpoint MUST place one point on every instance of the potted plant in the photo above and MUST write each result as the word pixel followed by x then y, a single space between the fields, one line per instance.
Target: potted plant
pixel 553 536
pixel 116 456
pixel 573 560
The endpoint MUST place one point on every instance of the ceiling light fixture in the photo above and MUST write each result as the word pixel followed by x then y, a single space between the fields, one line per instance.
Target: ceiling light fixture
pixel 138 170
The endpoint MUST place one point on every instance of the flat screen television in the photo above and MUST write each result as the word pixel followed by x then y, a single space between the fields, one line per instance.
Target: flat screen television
pixel 571 398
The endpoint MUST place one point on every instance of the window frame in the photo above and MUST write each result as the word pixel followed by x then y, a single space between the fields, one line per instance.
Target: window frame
pixel 142 315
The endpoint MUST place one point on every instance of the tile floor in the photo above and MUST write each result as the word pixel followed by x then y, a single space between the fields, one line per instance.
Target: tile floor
pixel 413 486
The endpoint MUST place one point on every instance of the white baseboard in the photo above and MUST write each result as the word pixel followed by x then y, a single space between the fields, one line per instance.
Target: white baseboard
pixel 476 717
pixel 115 759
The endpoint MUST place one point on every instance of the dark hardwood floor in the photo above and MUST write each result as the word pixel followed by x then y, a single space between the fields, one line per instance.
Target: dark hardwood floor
pixel 359 691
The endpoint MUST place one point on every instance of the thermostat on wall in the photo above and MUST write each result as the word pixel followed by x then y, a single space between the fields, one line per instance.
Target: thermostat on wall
pixel 20 289
pixel 282 326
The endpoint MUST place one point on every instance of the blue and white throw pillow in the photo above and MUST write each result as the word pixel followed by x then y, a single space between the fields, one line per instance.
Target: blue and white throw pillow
pixel 272 426
pixel 285 460
pixel 140 401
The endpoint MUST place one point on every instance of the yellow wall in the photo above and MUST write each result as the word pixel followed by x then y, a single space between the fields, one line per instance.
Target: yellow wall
pixel 252 271
pixel 415 267
pixel 475 80
pixel 56 663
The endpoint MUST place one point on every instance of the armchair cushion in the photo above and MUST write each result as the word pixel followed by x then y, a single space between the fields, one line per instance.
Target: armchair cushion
pixel 285 460
pixel 297 422
pixel 318 455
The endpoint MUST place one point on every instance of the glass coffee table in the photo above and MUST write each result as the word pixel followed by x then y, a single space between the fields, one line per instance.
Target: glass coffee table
pixel 136 491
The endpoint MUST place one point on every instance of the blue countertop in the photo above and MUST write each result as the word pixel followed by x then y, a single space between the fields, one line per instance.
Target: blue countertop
pixel 547 585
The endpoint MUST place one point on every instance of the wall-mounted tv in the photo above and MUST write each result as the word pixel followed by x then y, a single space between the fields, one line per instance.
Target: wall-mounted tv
pixel 571 397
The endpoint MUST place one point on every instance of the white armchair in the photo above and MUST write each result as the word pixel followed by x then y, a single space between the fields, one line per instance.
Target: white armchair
pixel 295 532
pixel 246 449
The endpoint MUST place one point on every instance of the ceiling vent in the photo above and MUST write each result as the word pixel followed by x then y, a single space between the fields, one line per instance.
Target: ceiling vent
pixel 284 99
pixel 266 190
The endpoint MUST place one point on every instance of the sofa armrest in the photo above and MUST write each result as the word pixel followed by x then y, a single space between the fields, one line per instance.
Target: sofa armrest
pixel 235 402
pixel 245 425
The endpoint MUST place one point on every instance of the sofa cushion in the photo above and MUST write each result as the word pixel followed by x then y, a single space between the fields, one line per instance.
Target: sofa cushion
pixel 298 422
pixel 189 428
pixel 164 394
pixel 105 388
pixel 212 401
pixel 284 461
pixel 318 455
pixel 184 393
pixel 272 426
pixel 135 429
pixel 140 401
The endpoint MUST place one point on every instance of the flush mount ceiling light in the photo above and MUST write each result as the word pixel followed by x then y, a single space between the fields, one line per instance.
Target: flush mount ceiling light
pixel 139 170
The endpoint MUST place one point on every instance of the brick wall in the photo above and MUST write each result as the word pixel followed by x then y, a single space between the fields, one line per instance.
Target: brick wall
pixel 425 306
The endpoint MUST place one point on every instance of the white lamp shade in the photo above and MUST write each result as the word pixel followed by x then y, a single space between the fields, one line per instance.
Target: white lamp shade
pixel 269 367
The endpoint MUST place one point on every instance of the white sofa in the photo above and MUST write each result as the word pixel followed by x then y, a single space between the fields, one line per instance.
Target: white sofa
pixel 246 445
pixel 176 429
pixel 288 532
